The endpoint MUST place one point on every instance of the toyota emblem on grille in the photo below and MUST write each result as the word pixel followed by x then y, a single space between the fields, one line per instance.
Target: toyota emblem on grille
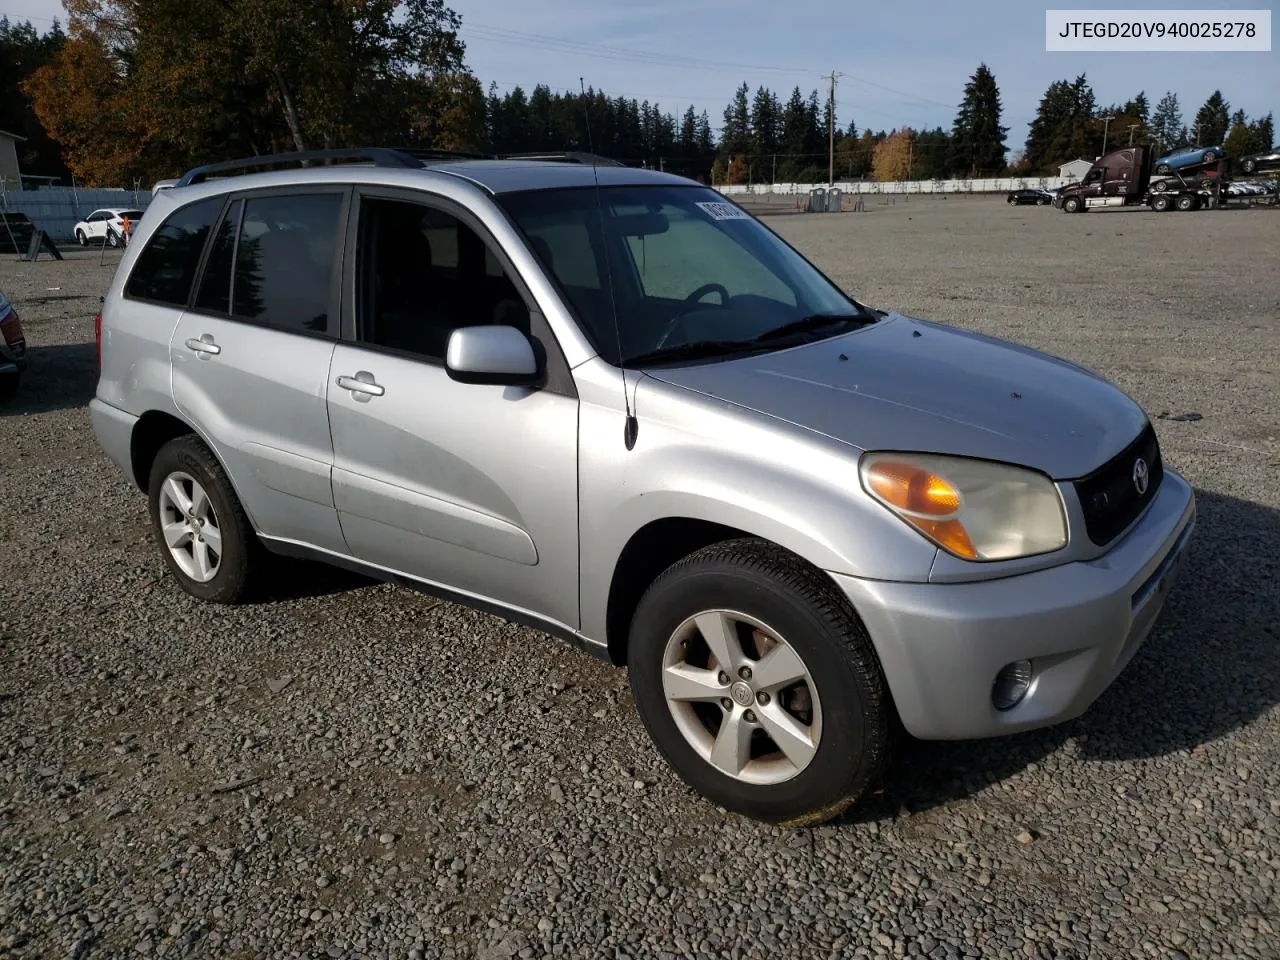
pixel 1141 477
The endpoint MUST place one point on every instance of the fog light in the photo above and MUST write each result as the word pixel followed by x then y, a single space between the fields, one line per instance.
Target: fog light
pixel 1012 684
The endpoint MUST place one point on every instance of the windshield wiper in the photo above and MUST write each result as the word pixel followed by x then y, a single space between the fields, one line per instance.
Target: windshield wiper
pixel 815 321
pixel 696 350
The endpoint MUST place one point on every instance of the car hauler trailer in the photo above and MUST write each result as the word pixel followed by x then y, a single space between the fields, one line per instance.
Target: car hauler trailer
pixel 1124 178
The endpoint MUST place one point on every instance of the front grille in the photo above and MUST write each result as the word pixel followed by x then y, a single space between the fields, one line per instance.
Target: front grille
pixel 1109 495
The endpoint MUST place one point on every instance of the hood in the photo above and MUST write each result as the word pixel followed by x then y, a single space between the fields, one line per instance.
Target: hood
pixel 908 384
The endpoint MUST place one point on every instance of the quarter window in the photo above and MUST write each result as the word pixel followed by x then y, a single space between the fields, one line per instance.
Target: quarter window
pixel 272 262
pixel 166 268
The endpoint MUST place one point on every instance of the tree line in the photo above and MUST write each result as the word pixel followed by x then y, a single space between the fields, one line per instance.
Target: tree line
pixel 144 89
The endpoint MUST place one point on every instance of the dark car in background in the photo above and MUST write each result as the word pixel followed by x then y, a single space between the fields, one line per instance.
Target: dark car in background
pixel 1039 197
pixel 1267 160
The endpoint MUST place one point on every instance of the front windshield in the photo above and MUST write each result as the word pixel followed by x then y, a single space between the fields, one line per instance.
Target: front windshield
pixel 686 267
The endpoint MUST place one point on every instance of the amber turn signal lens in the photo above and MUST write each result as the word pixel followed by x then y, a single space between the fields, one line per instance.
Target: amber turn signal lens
pixel 913 489
pixel 925 500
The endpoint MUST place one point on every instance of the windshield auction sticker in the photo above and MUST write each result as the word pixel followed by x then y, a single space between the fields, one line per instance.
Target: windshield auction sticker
pixel 723 211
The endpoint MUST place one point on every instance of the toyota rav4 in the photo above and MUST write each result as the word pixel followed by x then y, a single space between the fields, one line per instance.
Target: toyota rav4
pixel 611 404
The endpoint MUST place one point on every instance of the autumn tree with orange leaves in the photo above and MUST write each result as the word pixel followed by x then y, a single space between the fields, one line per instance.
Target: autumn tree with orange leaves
pixel 148 88
pixel 891 159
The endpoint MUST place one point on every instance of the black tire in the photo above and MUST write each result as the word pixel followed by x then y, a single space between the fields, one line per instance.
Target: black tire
pixel 1012 201
pixel 1160 186
pixel 81 238
pixel 112 238
pixel 1162 168
pixel 763 581
pixel 242 552
pixel 1209 156
pixel 1070 205
pixel 1041 203
pixel 1188 201
pixel 9 385
pixel 1161 203
pixel 1248 166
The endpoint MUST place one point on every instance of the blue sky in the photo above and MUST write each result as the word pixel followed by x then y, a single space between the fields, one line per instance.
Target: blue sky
pixel 904 63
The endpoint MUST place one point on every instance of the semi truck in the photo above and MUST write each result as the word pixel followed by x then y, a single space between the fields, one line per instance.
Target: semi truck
pixel 1125 178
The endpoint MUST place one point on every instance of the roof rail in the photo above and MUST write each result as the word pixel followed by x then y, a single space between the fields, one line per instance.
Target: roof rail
pixel 378 156
pixel 431 153
pixel 564 156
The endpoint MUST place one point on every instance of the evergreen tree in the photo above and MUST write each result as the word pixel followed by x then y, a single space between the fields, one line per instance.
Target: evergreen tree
pixel 737 124
pixel 1264 134
pixel 1212 120
pixel 1239 138
pixel 1063 127
pixel 1166 124
pixel 765 124
pixel 977 138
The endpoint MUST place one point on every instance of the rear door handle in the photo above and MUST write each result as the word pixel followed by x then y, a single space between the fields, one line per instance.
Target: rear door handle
pixel 204 345
pixel 362 385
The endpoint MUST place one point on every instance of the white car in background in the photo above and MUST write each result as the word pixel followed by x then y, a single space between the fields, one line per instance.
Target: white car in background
pixel 107 223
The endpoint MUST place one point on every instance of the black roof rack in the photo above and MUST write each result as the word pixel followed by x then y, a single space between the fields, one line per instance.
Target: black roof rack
pixel 378 156
pixel 404 158
pixel 564 156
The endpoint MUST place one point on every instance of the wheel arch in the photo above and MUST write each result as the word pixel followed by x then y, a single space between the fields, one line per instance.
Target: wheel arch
pixel 153 430
pixel 652 549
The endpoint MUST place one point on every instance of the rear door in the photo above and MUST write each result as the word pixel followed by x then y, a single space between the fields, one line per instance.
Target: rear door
pixel 251 355
pixel 473 487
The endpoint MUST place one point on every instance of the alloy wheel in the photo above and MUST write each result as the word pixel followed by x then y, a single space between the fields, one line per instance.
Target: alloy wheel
pixel 742 697
pixel 190 527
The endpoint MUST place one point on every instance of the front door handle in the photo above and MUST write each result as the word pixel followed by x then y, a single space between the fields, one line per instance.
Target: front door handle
pixel 362 385
pixel 204 346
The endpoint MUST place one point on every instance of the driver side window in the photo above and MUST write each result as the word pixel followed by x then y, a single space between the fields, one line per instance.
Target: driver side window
pixel 691 253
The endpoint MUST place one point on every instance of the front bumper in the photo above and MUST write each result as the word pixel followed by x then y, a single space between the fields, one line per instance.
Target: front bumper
pixel 942 645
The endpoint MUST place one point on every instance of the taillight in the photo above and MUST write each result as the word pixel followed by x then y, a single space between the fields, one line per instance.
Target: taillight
pixel 97 337
pixel 12 328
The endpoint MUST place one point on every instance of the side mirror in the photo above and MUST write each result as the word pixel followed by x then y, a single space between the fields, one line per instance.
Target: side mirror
pixel 491 354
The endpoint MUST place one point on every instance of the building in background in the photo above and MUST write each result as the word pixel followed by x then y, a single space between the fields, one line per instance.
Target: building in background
pixel 10 175
pixel 1075 169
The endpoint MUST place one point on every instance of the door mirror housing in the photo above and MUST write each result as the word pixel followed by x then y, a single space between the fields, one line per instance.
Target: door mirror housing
pixel 492 354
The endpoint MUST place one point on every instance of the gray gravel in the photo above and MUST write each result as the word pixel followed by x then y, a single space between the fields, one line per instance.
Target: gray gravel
pixel 354 770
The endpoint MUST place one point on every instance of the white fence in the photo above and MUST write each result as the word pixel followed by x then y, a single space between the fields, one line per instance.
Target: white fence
pixel 994 185
pixel 57 210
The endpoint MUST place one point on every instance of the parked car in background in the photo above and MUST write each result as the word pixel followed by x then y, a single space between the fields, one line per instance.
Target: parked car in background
pixel 1039 197
pixel 108 223
pixel 613 405
pixel 1188 157
pixel 13 348
pixel 1255 162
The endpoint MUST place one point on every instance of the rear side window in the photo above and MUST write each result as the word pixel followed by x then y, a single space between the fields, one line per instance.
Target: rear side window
pixel 272 262
pixel 166 268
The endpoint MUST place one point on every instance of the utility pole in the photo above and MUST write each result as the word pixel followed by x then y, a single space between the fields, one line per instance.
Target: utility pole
pixel 831 130
pixel 1106 125
pixel 1132 128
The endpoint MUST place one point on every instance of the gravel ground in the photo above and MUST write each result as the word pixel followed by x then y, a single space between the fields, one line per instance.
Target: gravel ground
pixel 355 770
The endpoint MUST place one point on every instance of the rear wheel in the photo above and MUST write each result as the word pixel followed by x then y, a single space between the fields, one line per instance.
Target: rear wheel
pixel 1162 168
pixel 81 238
pixel 1248 166
pixel 205 537
pixel 1160 186
pixel 1188 201
pixel 1208 156
pixel 1161 203
pixel 759 685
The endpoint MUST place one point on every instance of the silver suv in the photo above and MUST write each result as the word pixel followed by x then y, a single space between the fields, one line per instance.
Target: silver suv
pixel 610 404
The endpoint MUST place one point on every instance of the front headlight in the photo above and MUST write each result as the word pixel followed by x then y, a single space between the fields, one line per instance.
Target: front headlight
pixel 974 509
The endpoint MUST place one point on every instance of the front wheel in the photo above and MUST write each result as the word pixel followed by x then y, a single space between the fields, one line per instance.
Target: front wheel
pixel 1070 205
pixel 1163 168
pixel 1208 156
pixel 759 685
pixel 201 529
pixel 81 238
pixel 1248 166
